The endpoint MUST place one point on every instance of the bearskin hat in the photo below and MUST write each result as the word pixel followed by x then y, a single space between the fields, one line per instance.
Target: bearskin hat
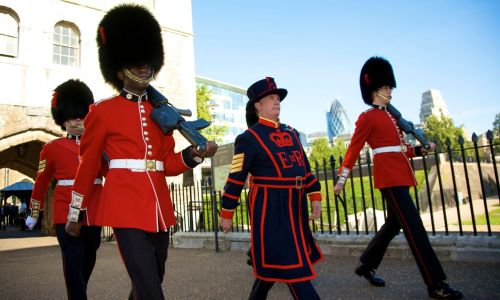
pixel 71 100
pixel 376 73
pixel 128 36
pixel 256 92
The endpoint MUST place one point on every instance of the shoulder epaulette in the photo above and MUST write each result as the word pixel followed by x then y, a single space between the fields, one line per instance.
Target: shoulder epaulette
pixel 371 108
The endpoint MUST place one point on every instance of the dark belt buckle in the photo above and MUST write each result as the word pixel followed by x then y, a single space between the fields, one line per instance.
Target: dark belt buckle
pixel 298 182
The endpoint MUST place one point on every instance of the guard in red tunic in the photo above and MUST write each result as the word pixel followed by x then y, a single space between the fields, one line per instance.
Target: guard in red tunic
pixel 59 162
pixel 135 200
pixel 393 175
pixel 282 246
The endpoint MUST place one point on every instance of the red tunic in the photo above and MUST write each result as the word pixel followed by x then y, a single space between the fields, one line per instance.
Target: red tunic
pixel 123 129
pixel 378 128
pixel 59 161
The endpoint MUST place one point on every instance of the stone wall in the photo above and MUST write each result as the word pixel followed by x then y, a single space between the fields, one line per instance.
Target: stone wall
pixel 466 191
pixel 448 248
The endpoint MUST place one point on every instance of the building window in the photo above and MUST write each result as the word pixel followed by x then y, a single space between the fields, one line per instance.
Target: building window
pixel 66 47
pixel 9 33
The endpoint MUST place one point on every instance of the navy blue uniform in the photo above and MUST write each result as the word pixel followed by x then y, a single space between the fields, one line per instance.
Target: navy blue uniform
pixel 283 248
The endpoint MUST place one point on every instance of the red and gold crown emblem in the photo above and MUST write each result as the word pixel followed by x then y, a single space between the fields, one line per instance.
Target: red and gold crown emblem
pixel 281 139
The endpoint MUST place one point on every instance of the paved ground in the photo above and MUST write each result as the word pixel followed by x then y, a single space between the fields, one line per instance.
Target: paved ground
pixel 31 268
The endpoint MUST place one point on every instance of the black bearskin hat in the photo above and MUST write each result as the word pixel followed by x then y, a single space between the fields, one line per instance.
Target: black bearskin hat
pixel 128 36
pixel 71 100
pixel 376 73
pixel 256 92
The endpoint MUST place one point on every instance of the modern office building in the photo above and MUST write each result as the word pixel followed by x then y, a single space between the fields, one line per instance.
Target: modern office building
pixel 337 121
pixel 227 106
pixel 432 105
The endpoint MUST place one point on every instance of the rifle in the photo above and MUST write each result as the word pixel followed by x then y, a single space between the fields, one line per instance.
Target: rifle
pixel 169 118
pixel 408 127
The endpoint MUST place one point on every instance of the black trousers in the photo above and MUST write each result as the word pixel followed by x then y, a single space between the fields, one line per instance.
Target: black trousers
pixel 303 290
pixel 144 255
pixel 402 213
pixel 78 256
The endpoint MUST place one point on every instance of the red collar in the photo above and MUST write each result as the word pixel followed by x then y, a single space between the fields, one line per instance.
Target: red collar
pixel 269 123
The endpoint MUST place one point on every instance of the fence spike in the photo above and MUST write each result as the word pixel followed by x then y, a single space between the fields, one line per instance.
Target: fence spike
pixel 474 137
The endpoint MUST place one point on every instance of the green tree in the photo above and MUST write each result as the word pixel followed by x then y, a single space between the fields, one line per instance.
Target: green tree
pixel 339 148
pixel 203 105
pixel 496 133
pixel 438 129
pixel 320 149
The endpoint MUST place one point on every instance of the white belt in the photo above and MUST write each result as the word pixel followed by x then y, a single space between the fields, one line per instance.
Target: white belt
pixel 136 164
pixel 400 148
pixel 69 182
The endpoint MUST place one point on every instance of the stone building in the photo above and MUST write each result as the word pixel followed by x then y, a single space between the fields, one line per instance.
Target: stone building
pixel 46 42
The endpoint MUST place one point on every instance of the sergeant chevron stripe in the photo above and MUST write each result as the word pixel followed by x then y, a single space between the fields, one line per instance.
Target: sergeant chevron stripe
pixel 237 164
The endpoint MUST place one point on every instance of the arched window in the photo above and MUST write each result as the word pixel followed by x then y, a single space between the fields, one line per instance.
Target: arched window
pixel 66 47
pixel 9 32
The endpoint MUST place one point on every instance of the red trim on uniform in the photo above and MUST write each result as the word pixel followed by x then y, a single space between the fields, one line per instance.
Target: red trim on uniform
pixel 252 195
pixel 227 195
pixel 298 142
pixel 300 263
pixel 311 269
pixel 395 202
pixel 294 294
pixel 268 123
pixel 277 178
pixel 288 186
pixel 226 214
pixel 314 196
pixel 267 150
pixel 235 181
pixel 286 280
pixel 312 182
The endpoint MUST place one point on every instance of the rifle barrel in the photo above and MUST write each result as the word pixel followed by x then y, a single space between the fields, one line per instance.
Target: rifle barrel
pixel 183 112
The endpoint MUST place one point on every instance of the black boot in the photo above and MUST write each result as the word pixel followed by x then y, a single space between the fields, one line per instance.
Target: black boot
pixel 369 274
pixel 443 291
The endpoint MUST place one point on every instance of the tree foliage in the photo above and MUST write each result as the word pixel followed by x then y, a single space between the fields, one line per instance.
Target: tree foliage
pixel 438 129
pixel 496 126
pixel 496 132
pixel 321 149
pixel 203 105
pixel 339 148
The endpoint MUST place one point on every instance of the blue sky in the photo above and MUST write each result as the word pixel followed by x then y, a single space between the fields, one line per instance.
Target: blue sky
pixel 315 49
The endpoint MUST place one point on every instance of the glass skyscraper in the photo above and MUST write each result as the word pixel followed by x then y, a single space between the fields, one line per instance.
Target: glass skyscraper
pixel 337 121
pixel 228 106
pixel 433 105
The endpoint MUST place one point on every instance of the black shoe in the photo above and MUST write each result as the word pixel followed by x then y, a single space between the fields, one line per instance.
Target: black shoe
pixel 443 291
pixel 369 274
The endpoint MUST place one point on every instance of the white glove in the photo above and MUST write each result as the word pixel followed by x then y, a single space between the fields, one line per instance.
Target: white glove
pixel 31 222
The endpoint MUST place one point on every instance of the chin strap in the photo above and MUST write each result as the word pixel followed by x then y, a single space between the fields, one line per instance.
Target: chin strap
pixel 378 93
pixel 131 76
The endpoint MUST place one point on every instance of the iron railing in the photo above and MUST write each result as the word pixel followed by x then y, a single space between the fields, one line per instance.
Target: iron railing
pixel 457 193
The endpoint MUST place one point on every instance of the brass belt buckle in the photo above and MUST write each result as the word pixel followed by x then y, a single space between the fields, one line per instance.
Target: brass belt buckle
pixel 403 148
pixel 298 182
pixel 150 165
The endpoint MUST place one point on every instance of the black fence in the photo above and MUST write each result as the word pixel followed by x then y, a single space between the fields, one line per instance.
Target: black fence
pixel 458 192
